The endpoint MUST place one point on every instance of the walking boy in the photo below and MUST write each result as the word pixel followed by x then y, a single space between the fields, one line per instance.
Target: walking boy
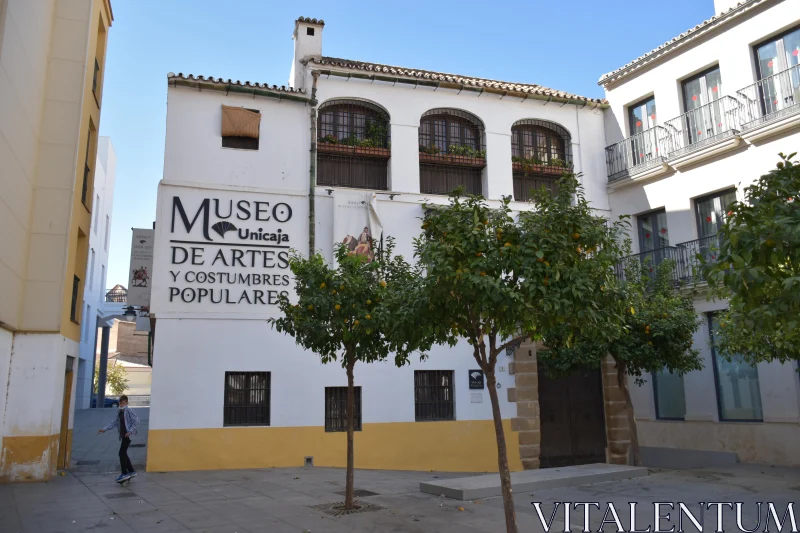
pixel 126 420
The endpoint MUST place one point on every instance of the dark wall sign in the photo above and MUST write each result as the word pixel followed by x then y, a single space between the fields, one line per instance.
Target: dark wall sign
pixel 476 379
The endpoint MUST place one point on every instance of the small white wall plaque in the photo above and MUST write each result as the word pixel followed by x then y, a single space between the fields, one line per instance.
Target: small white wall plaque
pixel 477 397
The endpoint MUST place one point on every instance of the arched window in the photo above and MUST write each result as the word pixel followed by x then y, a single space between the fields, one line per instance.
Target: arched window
pixel 540 153
pixel 451 152
pixel 353 145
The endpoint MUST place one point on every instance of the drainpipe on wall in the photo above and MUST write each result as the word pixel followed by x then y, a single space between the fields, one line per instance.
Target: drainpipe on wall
pixel 312 172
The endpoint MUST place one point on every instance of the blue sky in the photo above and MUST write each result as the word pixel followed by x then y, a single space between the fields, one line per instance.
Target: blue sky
pixel 562 44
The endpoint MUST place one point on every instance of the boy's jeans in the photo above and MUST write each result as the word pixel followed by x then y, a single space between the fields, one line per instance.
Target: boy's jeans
pixel 124 460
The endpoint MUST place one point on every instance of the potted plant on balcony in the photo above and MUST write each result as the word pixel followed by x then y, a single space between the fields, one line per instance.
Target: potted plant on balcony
pixel 466 155
pixel 537 166
pixel 330 144
pixel 430 154
pixel 374 143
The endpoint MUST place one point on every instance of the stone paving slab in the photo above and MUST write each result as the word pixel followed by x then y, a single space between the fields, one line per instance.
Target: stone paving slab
pixel 100 453
pixel 487 486
pixel 281 500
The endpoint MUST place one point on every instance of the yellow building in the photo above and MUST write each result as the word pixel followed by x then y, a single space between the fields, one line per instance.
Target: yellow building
pixel 52 64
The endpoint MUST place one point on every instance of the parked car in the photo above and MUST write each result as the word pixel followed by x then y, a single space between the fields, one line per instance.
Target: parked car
pixel 109 402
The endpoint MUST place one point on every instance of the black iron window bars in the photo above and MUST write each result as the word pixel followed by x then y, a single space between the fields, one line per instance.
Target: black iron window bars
pixel 247 399
pixel 434 395
pixel 452 152
pixel 540 152
pixel 353 145
pixel 336 409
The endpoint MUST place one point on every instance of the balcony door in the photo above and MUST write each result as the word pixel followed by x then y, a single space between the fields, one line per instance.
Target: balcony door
pixel 653 238
pixel 711 211
pixel 641 121
pixel 703 117
pixel 777 61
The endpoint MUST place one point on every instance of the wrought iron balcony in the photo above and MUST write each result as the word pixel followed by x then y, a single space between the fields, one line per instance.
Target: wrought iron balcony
pixel 771 99
pixel 685 256
pixel 651 259
pixel 637 153
pixel 703 126
pixel 707 247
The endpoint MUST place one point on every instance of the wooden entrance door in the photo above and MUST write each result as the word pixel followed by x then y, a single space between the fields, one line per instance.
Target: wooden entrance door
pixel 64 440
pixel 572 419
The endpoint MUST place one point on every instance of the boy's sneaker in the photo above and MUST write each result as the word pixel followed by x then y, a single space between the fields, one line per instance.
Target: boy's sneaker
pixel 121 477
pixel 132 474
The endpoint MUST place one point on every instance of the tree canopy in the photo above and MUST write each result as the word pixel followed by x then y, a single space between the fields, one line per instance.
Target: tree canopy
pixel 353 311
pixel 658 324
pixel 758 270
pixel 496 278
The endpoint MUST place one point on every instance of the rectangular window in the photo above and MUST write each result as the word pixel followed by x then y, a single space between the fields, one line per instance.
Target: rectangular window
pixel 738 390
pixel 247 399
pixel 704 117
pixel 336 409
pixel 642 115
pixel 94 78
pixel 87 170
pixel 778 69
pixel 653 238
pixel 669 396
pixel 643 142
pixel 91 271
pixel 96 208
pixel 108 229
pixel 434 395
pixel 712 211
pixel 235 122
pixel 73 307
pixel 86 323
pixel 102 277
pixel 778 54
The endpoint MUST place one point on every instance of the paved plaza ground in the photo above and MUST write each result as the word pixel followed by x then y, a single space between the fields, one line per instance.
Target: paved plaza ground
pixel 282 500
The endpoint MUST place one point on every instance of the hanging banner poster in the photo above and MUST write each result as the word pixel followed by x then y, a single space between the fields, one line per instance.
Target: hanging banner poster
pixel 356 223
pixel 141 267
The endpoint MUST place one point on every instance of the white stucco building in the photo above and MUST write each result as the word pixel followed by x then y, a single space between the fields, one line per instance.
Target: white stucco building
pixel 350 129
pixel 94 289
pixel 690 125
pixel 253 171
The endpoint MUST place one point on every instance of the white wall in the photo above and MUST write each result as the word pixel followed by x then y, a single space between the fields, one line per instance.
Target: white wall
pixel 94 292
pixel 6 342
pixel 676 192
pixel 298 379
pixel 731 49
pixel 23 68
pixel 194 152
pixel 405 106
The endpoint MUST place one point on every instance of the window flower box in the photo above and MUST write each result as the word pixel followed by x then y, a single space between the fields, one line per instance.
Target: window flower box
pixel 519 166
pixel 449 159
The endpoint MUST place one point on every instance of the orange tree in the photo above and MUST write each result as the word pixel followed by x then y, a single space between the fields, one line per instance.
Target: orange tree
pixel 496 279
pixel 758 270
pixel 352 312
pixel 658 325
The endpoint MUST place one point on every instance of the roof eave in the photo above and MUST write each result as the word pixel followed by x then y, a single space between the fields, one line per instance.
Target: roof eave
pixel 679 41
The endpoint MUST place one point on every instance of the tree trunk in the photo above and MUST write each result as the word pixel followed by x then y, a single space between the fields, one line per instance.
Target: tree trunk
pixel 351 401
pixel 623 385
pixel 502 455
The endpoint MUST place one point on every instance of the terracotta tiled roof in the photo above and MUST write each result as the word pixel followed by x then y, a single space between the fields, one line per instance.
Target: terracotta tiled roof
pixel 309 20
pixel 428 75
pixel 681 39
pixel 210 79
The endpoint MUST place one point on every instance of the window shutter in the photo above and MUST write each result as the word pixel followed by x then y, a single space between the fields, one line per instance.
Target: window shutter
pixel 240 122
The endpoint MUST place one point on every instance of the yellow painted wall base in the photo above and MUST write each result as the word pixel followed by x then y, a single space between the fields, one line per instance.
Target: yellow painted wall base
pixel 29 458
pixel 458 446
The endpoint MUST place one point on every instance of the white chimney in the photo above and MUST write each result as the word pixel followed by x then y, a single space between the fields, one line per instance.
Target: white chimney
pixel 307 39
pixel 724 5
